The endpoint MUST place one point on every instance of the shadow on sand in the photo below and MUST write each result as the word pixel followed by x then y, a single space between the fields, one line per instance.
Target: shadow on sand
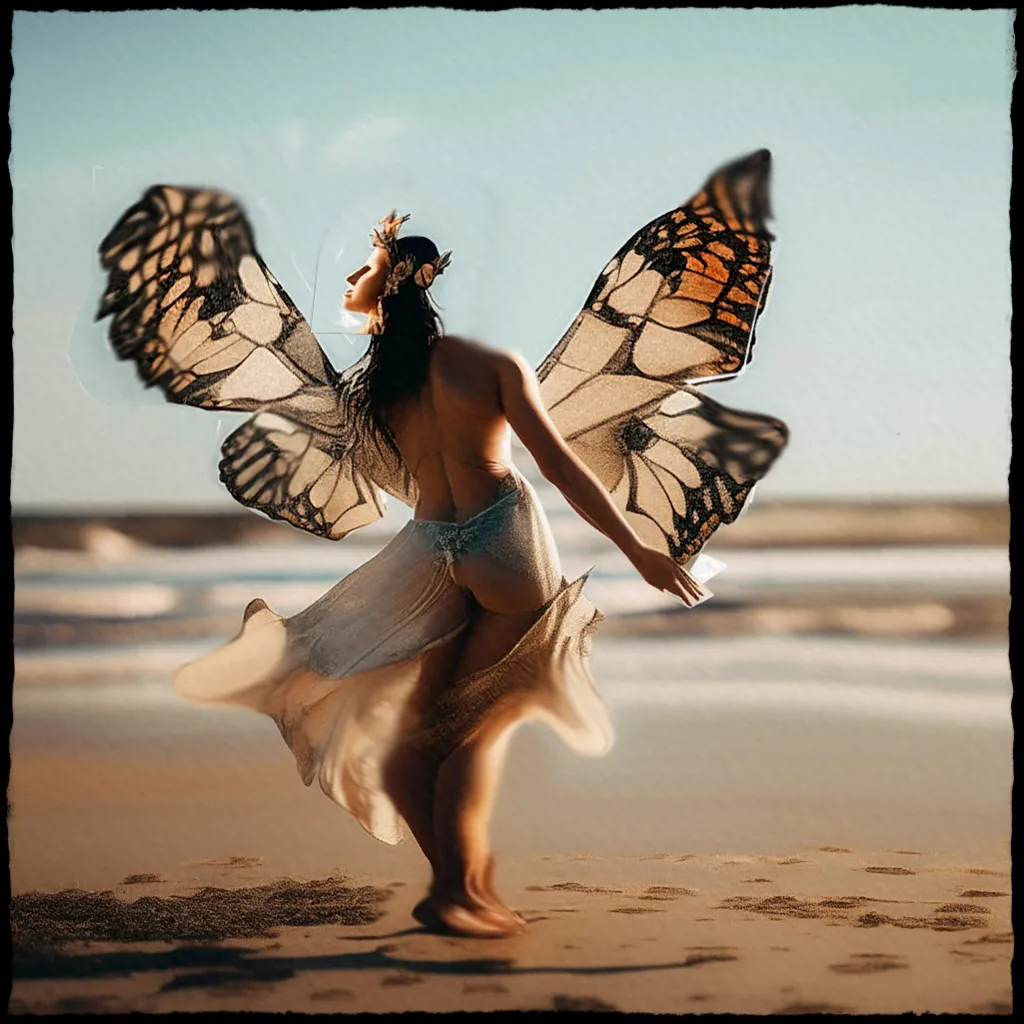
pixel 213 966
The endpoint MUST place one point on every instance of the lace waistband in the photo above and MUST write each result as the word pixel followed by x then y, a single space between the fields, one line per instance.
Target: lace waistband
pixel 474 533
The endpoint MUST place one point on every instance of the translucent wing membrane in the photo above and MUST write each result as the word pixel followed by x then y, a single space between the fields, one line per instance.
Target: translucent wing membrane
pixel 300 475
pixel 679 301
pixel 689 471
pixel 676 305
pixel 196 308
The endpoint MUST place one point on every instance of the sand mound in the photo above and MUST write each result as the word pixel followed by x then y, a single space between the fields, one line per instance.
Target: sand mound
pixel 48 920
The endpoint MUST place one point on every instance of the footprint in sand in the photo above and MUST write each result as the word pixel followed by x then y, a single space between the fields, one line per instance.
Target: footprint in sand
pixel 979 894
pixel 636 910
pixel 938 922
pixel 889 871
pixel 999 938
pixel 794 1008
pixel 581 1003
pixel 401 979
pixel 834 849
pixel 332 993
pixel 695 959
pixel 142 879
pixel 84 1004
pixel 480 987
pixel 669 856
pixel 572 887
pixel 666 892
pixel 229 862
pixel 231 987
pixel 868 963
pixel 790 906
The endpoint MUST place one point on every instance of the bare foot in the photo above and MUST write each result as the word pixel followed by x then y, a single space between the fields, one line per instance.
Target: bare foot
pixel 426 913
pixel 490 894
pixel 467 917
pixel 484 921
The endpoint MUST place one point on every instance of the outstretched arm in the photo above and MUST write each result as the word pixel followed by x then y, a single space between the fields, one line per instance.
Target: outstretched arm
pixel 522 405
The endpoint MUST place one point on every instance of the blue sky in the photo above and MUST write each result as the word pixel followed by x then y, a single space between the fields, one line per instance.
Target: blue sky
pixel 533 143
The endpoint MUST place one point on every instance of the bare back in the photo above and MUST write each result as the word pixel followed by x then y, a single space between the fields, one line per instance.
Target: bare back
pixel 454 436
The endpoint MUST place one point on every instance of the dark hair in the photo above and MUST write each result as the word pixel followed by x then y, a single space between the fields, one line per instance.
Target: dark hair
pixel 396 364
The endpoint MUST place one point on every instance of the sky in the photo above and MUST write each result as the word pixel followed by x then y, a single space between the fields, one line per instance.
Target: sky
pixel 533 144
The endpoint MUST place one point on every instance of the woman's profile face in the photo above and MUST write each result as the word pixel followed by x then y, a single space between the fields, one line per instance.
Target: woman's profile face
pixel 367 283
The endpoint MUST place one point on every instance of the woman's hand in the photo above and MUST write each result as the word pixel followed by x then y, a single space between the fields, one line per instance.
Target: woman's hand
pixel 663 573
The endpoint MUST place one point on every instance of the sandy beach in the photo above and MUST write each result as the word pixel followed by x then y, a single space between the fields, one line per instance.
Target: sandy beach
pixel 805 826
pixel 833 930
pixel 784 358
pixel 807 807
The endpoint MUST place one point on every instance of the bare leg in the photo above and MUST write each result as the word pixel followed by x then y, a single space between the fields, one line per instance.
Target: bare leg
pixel 410 773
pixel 463 895
pixel 466 785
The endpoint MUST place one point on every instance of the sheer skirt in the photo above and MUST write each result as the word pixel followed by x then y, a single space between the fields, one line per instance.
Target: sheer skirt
pixel 337 678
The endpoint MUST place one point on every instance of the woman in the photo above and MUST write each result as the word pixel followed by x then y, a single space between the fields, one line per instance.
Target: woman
pixel 399 688
pixel 451 404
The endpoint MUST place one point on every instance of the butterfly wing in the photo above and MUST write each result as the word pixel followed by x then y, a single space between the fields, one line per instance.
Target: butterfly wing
pixel 679 301
pixel 325 480
pixel 685 468
pixel 303 476
pixel 204 319
pixel 197 310
pixel 677 304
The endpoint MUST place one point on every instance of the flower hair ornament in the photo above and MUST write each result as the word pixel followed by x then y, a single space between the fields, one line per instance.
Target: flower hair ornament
pixel 385 235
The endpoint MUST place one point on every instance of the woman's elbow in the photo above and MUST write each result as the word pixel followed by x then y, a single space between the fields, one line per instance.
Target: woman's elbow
pixel 555 471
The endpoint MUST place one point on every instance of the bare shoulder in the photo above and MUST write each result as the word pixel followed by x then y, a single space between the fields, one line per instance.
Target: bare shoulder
pixel 462 348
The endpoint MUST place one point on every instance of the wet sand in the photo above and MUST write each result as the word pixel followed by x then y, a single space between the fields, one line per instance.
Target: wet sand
pixel 746 847
pixel 834 930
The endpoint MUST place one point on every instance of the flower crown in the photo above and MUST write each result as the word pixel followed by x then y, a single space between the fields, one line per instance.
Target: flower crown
pixel 385 235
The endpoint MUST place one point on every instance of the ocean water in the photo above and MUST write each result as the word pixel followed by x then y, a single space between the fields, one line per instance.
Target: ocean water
pixel 112 579
pixel 758 737
pixel 121 617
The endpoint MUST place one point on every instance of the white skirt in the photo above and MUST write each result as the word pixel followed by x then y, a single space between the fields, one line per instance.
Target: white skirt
pixel 337 678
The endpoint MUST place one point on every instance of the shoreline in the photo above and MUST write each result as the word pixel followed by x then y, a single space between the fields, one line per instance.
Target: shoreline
pixel 772 523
